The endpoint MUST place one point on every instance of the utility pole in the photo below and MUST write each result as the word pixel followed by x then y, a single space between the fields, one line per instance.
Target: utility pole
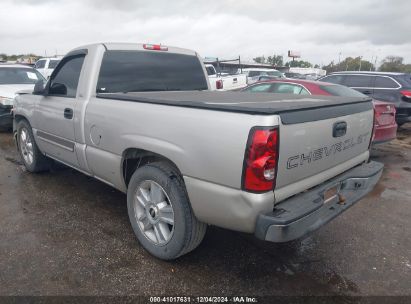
pixel 359 69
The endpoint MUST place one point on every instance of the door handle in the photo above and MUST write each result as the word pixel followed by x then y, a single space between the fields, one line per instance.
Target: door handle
pixel 68 113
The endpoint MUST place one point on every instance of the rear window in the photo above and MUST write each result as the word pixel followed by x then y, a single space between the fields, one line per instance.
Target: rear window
pixel 19 76
pixel 337 90
pixel 210 70
pixel 53 63
pixel 385 82
pixel 40 64
pixel 142 71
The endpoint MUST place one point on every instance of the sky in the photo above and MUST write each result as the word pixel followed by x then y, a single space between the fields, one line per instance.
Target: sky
pixel 321 30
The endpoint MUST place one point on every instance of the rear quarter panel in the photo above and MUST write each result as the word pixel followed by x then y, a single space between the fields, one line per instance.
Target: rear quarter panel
pixel 204 144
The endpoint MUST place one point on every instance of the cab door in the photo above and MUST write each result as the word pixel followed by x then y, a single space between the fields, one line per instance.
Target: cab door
pixel 54 113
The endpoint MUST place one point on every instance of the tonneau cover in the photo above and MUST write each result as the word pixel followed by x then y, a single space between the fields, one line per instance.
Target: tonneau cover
pixel 253 103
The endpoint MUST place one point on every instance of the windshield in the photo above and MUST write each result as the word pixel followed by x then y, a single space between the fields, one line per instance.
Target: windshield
pixel 19 75
pixel 338 90
pixel 142 71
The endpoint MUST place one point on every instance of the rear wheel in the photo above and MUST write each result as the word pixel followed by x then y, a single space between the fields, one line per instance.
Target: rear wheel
pixel 160 212
pixel 33 159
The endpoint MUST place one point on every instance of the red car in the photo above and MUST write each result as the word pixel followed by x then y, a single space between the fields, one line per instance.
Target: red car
pixel 385 127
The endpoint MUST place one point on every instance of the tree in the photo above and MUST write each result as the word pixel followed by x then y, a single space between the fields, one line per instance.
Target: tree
pixel 260 59
pixel 394 64
pixel 350 64
pixel 14 57
pixel 275 60
pixel 298 64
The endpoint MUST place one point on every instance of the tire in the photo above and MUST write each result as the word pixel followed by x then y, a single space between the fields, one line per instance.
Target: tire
pixel 32 158
pixel 148 208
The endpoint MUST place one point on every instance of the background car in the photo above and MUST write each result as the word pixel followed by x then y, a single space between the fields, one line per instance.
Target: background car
pixel 385 127
pixel 294 75
pixel 224 81
pixel 14 78
pixel 254 74
pixel 394 88
pixel 46 66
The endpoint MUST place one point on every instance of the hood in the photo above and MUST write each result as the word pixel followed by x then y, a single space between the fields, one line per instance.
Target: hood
pixel 10 90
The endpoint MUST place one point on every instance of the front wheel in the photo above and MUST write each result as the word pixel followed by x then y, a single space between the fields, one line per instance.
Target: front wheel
pixel 160 212
pixel 33 159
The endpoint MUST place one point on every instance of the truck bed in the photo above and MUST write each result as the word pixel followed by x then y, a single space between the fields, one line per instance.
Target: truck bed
pixel 289 107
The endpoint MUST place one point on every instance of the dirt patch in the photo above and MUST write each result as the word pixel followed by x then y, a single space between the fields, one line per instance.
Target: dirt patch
pixel 13 161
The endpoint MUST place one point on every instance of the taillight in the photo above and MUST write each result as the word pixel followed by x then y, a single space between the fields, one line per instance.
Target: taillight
pixel 219 84
pixel 261 159
pixel 406 93
pixel 374 124
pixel 155 47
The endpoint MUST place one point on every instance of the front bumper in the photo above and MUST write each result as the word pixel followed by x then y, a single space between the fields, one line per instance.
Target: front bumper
pixel 6 117
pixel 307 211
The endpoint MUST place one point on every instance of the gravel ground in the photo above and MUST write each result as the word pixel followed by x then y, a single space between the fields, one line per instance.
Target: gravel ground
pixel 63 233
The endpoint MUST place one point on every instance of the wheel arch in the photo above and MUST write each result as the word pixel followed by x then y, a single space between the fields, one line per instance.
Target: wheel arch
pixel 16 119
pixel 134 158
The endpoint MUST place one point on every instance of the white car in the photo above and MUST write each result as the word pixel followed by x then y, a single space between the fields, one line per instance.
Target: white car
pixel 13 79
pixel 223 81
pixel 257 74
pixel 46 66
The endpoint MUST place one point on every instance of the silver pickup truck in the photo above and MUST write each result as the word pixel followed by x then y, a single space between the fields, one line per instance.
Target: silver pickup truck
pixel 141 118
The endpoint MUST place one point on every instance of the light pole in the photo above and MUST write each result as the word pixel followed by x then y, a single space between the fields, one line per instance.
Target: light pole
pixel 359 68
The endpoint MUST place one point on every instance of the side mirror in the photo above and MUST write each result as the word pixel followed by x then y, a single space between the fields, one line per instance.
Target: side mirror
pixel 58 89
pixel 39 88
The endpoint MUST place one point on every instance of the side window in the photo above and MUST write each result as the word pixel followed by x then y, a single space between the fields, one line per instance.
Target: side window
pixel 337 79
pixel 304 92
pixel 359 81
pixel 287 88
pixel 40 64
pixel 65 81
pixel 260 88
pixel 385 82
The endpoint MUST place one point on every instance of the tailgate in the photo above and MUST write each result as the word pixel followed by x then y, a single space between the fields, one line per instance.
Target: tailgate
pixel 314 151
pixel 234 82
